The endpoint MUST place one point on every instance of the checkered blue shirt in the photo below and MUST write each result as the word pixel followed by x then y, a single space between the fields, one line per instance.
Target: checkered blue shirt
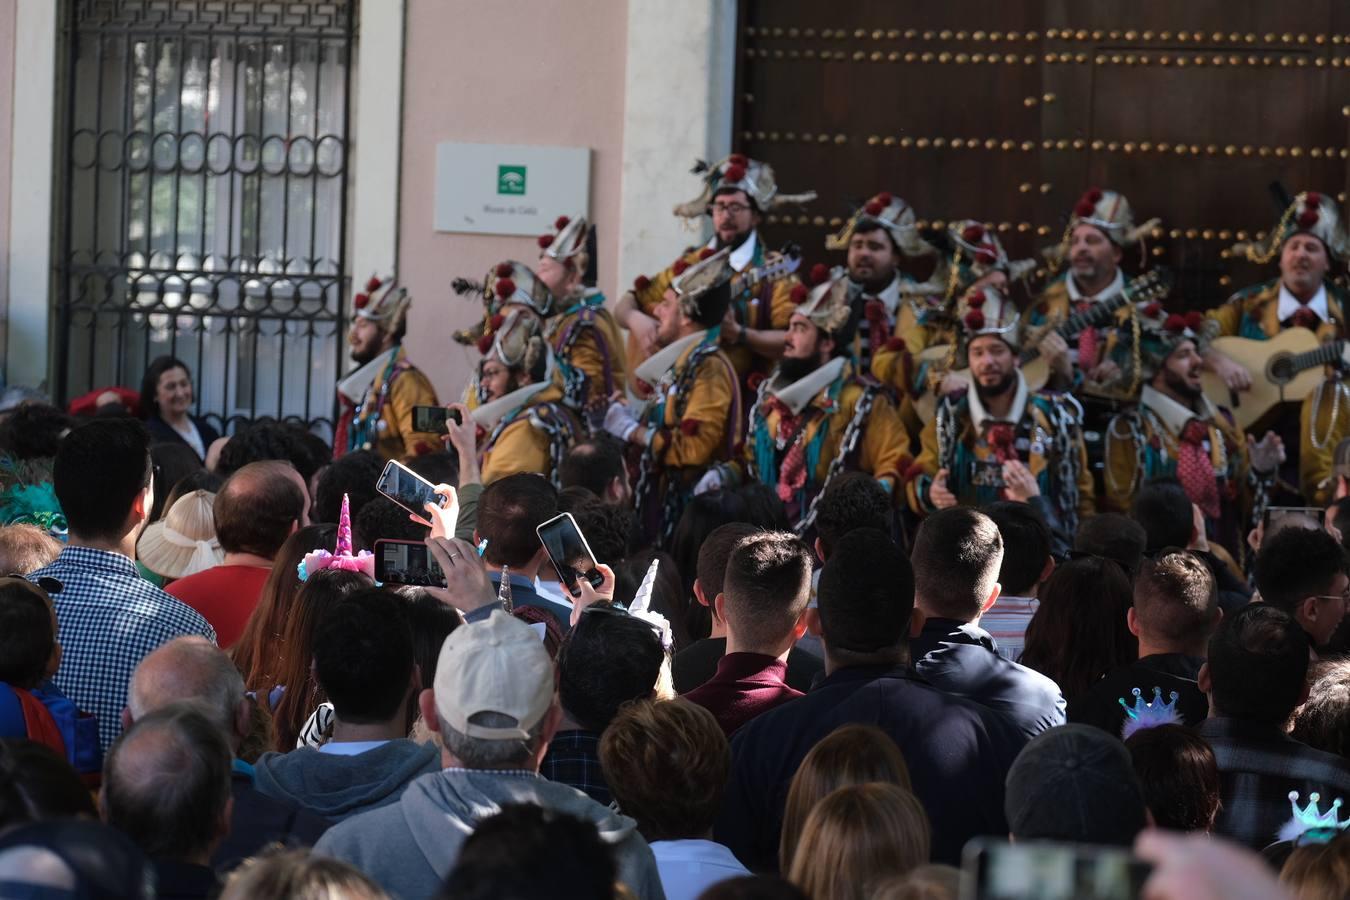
pixel 109 619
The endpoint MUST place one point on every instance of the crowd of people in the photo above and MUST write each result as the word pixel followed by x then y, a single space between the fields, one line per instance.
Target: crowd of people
pixel 872 594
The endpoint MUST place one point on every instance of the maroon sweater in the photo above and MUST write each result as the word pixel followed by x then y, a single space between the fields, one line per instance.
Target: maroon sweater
pixel 746 684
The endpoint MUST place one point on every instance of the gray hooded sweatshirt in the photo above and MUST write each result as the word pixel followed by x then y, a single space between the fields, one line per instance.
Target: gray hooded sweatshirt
pixel 338 787
pixel 409 847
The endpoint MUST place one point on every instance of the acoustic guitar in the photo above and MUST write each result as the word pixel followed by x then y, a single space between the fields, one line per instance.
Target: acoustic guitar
pixel 1284 369
pixel 1035 370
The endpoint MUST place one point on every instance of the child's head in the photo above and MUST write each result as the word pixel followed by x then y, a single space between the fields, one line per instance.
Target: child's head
pixel 29 651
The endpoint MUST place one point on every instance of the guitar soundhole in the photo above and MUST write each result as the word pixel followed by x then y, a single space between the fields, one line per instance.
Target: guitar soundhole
pixel 1281 369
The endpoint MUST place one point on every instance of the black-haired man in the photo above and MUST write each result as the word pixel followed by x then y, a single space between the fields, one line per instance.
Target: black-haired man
pixel 1303 572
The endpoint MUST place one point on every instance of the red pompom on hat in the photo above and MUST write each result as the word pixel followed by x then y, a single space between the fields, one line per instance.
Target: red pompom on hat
pixel 485 344
pixel 1093 195
pixel 496 321
pixel 799 294
pixel 819 273
pixel 705 253
pixel 545 241
pixel 1307 218
pixel 1175 323
pixel 974 320
pixel 641 283
pixel 733 173
pixel 561 222
pixel 373 284
pixel 873 208
pixel 975 301
pixel 504 270
pixel 679 267
pixel 1312 198
pixel 738 159
pixel 753 381
pixel 986 257
pixel 884 198
pixel 689 427
pixel 1195 320
pixel 1084 209
pixel 360 301
pixel 972 234
pixel 896 345
pixel 505 288
pixel 1153 310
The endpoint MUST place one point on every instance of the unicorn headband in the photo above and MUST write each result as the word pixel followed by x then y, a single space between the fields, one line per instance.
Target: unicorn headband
pixel 344 559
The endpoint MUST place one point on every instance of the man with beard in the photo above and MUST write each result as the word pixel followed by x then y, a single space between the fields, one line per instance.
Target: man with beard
pixel 693 419
pixel 815 417
pixel 1100 229
pixel 1307 239
pixel 524 422
pixel 737 192
pixel 378 398
pixel 1177 432
pixel 999 440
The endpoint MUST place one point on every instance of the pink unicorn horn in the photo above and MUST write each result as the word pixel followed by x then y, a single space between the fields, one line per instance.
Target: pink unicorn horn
pixel 344 534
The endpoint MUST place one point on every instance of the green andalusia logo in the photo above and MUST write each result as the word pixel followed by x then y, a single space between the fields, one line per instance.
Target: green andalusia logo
pixel 510 179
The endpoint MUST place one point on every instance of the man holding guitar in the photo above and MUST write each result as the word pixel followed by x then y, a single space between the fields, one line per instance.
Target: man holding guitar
pixel 737 192
pixel 1177 432
pixel 1000 440
pixel 1307 239
pixel 1100 229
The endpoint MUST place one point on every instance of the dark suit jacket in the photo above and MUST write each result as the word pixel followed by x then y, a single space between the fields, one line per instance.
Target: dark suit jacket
pixel 162 432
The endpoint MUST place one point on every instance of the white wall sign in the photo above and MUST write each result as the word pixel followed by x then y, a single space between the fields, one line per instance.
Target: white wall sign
pixel 509 189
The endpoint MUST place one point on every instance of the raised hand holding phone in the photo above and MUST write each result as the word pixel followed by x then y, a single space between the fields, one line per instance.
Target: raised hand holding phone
pixel 467 584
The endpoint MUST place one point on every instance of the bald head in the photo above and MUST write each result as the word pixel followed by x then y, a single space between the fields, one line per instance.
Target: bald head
pixel 259 506
pixel 166 783
pixel 191 669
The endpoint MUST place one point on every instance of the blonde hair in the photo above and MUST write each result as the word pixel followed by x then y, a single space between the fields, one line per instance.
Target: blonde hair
pixel 298 875
pixel 1319 871
pixel 857 838
pixel 851 754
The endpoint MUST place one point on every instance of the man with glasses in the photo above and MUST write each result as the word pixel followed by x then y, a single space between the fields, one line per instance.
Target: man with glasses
pixel 1303 572
pixel 737 192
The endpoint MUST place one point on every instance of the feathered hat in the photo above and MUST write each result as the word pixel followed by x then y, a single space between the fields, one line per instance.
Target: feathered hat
pixel 1161 332
pixel 567 240
pixel 342 556
pixel 987 310
pixel 704 288
pixel 1311 213
pixel 829 305
pixel 889 212
pixel 982 252
pixel 514 282
pixel 516 339
pixel 382 302
pixel 739 173
pixel 1110 213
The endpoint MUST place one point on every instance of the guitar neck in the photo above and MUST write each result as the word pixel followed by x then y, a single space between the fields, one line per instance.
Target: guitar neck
pixel 1331 352
pixel 1099 314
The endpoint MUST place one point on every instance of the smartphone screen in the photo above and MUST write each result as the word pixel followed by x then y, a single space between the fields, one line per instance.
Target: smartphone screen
pixel 568 551
pixel 1311 516
pixel 406 562
pixel 408 489
pixel 1042 870
pixel 432 419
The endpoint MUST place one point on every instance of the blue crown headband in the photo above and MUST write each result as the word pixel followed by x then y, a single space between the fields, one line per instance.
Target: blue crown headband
pixel 1148 714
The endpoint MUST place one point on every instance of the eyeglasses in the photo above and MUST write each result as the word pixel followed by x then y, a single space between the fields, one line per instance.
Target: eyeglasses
pixel 1344 598
pixel 728 209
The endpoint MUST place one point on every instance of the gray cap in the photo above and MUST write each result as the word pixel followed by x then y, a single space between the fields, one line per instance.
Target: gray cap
pixel 1074 783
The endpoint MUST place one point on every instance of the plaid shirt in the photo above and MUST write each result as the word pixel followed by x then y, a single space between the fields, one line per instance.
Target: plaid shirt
pixel 573 758
pixel 1258 766
pixel 109 619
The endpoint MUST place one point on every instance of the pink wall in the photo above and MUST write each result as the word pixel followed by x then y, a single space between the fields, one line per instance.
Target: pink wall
pixel 8 11
pixel 511 72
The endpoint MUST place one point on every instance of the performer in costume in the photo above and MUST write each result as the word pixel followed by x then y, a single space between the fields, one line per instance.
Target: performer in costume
pixel 1000 440
pixel 737 192
pixel 694 418
pixel 1100 230
pixel 1308 239
pixel 815 417
pixel 378 398
pixel 524 415
pixel 1177 432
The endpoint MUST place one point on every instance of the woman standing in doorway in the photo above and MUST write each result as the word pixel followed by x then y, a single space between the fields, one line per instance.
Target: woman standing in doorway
pixel 166 398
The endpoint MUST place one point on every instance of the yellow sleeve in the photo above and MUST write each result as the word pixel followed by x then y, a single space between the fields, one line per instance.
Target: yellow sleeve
pixel 885 444
pixel 1317 466
pixel 519 448
pixel 1087 488
pixel 916 489
pixel 412 388
pixel 698 438
pixel 1228 315
pixel 585 354
pixel 781 305
pixel 1122 465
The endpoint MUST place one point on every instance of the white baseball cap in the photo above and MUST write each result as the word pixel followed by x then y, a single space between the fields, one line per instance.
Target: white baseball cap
pixel 494 666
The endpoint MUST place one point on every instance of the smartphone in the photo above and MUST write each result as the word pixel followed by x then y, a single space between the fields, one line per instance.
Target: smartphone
pixel 408 489
pixel 568 551
pixel 1275 513
pixel 406 562
pixel 986 473
pixel 432 419
pixel 1044 870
